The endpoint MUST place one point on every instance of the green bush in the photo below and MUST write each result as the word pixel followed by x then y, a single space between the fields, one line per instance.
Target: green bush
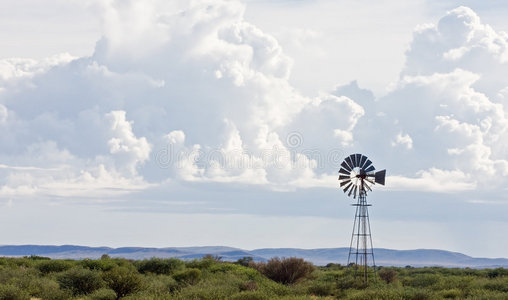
pixel 250 295
pixel 98 265
pixel 159 266
pixel 250 285
pixel 53 266
pixel 47 289
pixel 422 280
pixel 387 275
pixel 451 294
pixel 80 281
pixel 12 292
pixel 159 285
pixel 245 261
pixel 188 276
pixel 102 294
pixel 498 272
pixel 286 270
pixel 418 294
pixel 123 281
pixel 321 288
pixel 202 264
pixel 37 257
pixel 497 284
pixel 377 294
pixel 348 281
pixel 480 294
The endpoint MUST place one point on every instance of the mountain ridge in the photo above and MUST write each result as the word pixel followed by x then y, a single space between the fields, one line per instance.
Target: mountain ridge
pixel 318 256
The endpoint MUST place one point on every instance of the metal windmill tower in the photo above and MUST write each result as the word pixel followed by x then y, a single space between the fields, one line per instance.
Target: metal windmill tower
pixel 356 176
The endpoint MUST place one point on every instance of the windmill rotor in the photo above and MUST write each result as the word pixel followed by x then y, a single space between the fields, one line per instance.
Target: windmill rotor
pixel 357 174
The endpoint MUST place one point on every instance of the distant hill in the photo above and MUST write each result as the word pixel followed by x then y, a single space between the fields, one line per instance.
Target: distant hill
pixel 384 257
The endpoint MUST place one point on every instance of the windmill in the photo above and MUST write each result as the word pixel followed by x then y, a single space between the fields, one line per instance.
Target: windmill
pixel 356 176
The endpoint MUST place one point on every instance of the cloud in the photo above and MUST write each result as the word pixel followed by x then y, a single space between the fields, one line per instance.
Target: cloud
pixel 445 108
pixel 403 140
pixel 205 99
pixel 129 150
pixel 22 67
pixel 461 40
pixel 433 180
pixel 192 92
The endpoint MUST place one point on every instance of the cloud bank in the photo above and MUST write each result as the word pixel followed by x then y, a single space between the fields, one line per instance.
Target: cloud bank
pixel 192 92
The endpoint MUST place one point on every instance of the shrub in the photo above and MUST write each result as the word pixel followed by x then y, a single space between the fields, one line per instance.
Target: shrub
pixel 498 272
pixel 188 276
pixel 286 270
pixel 350 282
pixel 388 275
pixel 321 288
pixel 37 257
pixel 250 285
pixel 47 289
pixel 418 294
pixel 451 294
pixel 80 281
pixel 333 266
pixel 123 280
pixel 479 294
pixel 159 266
pixel 245 261
pixel 423 280
pixel 25 262
pixel 98 265
pixel 216 258
pixel 11 292
pixel 202 264
pixel 158 285
pixel 249 296
pixel 102 294
pixel 53 266
pixel 497 284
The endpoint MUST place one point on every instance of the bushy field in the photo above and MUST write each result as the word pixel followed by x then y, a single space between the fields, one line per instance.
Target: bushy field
pixel 210 278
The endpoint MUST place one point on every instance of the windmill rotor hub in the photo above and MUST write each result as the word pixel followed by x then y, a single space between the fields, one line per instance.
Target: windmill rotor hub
pixel 357 175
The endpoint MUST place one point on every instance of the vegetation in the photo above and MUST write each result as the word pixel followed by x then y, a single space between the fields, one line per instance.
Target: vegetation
pixel 211 278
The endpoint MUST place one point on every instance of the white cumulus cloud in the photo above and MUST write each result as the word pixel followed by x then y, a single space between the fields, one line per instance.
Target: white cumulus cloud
pixel 191 91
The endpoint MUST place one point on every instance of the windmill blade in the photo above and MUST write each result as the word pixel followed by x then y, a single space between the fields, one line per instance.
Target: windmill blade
pixel 349 162
pixel 344 171
pixel 369 180
pixel 379 177
pixel 370 169
pixel 347 187
pixel 367 186
pixel 366 164
pixel 354 193
pixel 345 166
pixel 362 161
pixel 353 159
pixel 358 158
pixel 351 190
pixel 342 177
pixel 343 183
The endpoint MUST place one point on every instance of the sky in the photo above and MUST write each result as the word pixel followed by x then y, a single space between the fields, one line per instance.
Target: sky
pixel 190 123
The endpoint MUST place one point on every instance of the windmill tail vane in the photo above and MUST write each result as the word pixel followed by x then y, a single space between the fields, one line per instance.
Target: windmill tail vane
pixel 357 175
